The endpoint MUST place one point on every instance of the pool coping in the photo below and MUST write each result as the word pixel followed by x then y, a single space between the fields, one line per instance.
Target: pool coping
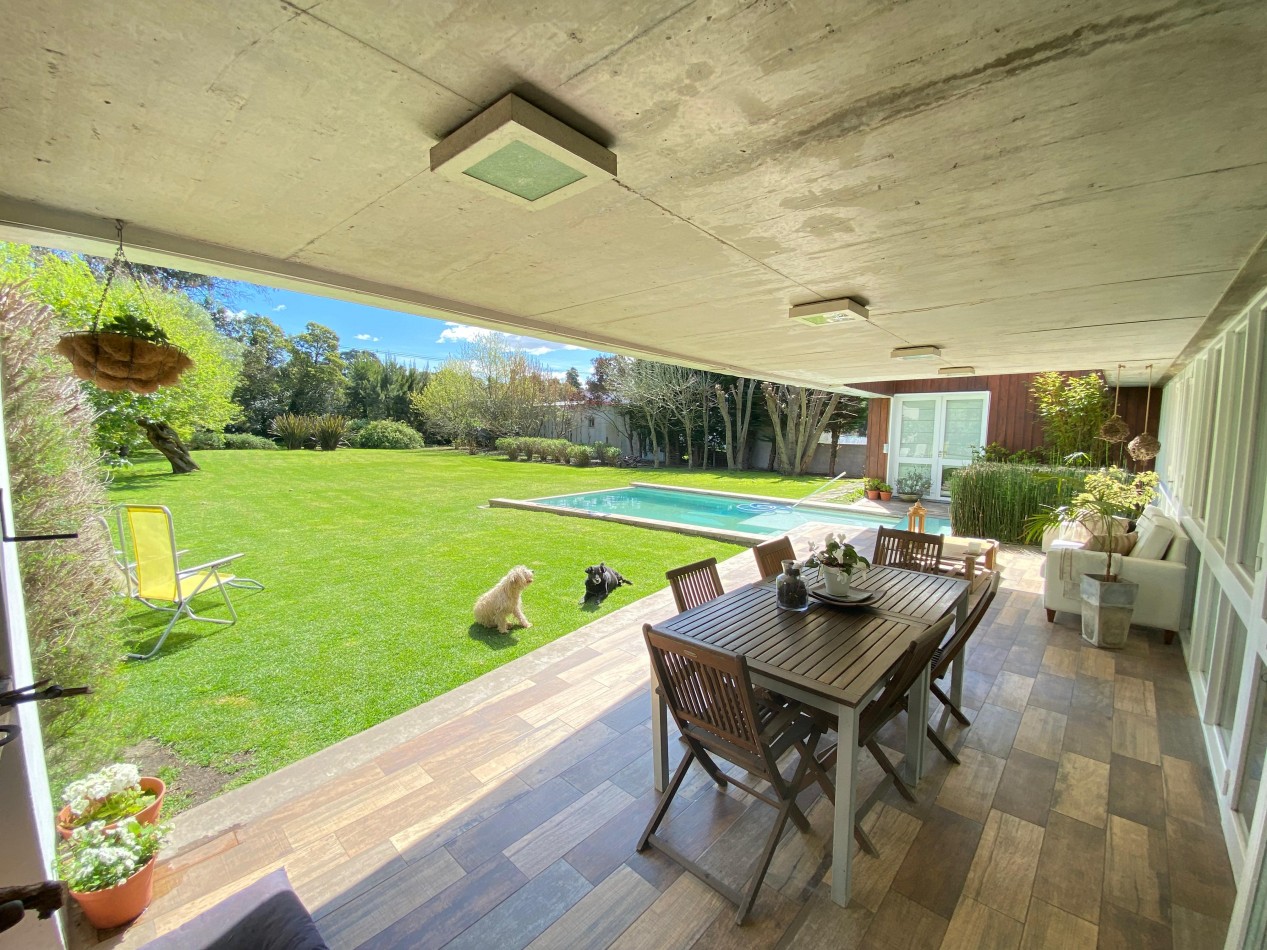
pixel 716 534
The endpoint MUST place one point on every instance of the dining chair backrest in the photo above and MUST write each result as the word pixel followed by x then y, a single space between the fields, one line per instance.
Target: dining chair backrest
pixel 918 656
pixel 708 691
pixel 959 639
pixel 695 584
pixel 907 549
pixel 770 555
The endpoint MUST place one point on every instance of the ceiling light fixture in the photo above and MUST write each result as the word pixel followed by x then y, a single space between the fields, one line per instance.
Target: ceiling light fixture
pixel 513 150
pixel 956 371
pixel 824 313
pixel 928 352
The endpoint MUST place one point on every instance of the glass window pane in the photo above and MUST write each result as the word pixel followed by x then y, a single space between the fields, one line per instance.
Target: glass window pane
pixel 1252 774
pixel 1256 366
pixel 917 429
pixel 963 427
pixel 1233 663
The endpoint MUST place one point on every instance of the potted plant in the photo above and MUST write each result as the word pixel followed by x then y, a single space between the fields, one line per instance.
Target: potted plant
pixel 913 486
pixel 837 559
pixel 872 488
pixel 110 871
pixel 115 793
pixel 886 491
pixel 1108 497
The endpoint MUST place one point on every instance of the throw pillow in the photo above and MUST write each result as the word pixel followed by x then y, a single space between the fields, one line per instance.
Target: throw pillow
pixel 1153 545
pixel 1119 543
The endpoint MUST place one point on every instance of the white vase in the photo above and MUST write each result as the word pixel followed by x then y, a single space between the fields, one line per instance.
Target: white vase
pixel 836 581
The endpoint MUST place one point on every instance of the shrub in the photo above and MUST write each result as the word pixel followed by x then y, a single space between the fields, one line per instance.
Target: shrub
pixel 206 441
pixel 1071 409
pixel 994 500
pixel 510 447
pixel 606 454
pixel 293 430
pixel 580 455
pixel 387 434
pixel 245 440
pixel 561 450
pixel 329 430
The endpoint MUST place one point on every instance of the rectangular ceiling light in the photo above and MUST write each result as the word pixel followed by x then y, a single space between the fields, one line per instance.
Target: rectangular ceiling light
pixel 956 371
pixel 916 353
pixel 514 151
pixel 824 313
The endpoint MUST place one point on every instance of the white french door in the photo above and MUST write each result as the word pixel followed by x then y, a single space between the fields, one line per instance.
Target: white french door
pixel 933 435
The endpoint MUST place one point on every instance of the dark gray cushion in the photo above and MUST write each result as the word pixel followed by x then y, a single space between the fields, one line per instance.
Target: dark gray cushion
pixel 267 915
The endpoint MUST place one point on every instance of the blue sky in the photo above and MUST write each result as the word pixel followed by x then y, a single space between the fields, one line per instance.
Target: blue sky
pixel 409 338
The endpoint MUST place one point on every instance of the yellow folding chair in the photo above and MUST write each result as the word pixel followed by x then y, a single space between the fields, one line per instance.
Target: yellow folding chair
pixel 153 574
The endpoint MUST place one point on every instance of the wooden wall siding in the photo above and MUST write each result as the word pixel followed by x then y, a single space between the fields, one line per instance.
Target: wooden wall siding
pixel 1012 419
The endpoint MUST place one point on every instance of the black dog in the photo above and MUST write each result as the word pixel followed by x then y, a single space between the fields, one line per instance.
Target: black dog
pixel 601 581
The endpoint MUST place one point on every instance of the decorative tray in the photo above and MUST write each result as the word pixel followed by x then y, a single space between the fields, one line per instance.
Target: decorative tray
pixel 854 598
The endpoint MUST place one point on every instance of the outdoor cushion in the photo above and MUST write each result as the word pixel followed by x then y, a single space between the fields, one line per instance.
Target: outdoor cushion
pixel 1153 542
pixel 1120 543
pixel 263 916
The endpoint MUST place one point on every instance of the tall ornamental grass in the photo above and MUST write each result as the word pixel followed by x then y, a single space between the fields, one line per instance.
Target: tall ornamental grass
pixel 994 499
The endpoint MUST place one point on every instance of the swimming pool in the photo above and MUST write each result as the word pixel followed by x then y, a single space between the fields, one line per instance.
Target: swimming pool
pixel 720 512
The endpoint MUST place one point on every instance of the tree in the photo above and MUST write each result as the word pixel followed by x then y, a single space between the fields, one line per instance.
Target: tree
pixel 380 389
pixel 450 404
pixel 1072 409
pixel 800 416
pixel 850 414
pixel 262 388
pixel 735 403
pixel 573 378
pixel 314 371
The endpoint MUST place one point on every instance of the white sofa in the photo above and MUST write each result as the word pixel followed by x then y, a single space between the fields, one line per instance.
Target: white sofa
pixel 1162 582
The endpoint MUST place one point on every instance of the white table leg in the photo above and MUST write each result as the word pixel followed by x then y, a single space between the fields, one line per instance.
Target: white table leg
pixel 956 667
pixel 659 737
pixel 916 726
pixel 842 823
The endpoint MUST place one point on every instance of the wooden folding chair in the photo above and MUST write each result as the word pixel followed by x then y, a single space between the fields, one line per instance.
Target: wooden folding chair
pixel 907 549
pixel 695 584
pixel 770 555
pixel 876 714
pixel 709 692
pixel 946 655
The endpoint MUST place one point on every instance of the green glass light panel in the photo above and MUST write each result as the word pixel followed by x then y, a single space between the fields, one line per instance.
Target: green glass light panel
pixel 522 170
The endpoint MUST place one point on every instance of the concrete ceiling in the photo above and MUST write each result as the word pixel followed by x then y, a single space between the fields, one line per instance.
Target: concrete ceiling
pixel 1028 185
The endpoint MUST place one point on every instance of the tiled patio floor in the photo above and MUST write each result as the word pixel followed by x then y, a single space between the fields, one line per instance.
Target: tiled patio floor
pixel 503 815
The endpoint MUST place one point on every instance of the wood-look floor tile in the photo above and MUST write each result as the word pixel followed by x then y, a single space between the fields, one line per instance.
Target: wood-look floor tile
pixel 978 927
pixel 937 862
pixel 903 924
pixel 520 750
pixel 553 838
pixel 1071 867
pixel 1093 694
pixel 347 880
pixel 1196 931
pixel 993 730
pixel 1042 733
pixel 1136 872
pixel 1025 790
pixel 1023 659
pixel 1096 662
pixel 1181 737
pixel 1134 696
pixel 1002 872
pixel 1082 789
pixel 1089 734
pixel 509 822
pixel 823 925
pixel 1120 929
pixel 1060 662
pixel 1011 691
pixel 1189 791
pixel 600 916
pixel 556 760
pixel 802 861
pixel 521 917
pixel 1135 792
pixel 1050 928
pixel 1136 736
pixel 969 788
pixel 1052 692
pixel 677 918
pixel 1202 878
pixel 893 831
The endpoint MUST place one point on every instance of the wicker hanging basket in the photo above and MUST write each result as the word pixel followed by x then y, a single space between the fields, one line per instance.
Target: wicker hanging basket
pixel 1144 447
pixel 115 362
pixel 1114 429
pixel 128 354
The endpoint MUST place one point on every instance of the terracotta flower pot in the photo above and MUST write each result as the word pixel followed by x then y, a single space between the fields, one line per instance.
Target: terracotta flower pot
pixel 146 816
pixel 121 904
pixel 873 495
pixel 885 495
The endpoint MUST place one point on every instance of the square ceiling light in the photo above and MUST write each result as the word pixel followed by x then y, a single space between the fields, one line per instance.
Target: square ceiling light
pixel 927 352
pixel 514 151
pixel 823 313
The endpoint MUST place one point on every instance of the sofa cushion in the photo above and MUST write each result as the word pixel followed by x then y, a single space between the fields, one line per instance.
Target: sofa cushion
pixel 1120 543
pixel 1153 541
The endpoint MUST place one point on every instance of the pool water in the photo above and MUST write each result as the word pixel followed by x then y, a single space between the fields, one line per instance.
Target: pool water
pixel 727 513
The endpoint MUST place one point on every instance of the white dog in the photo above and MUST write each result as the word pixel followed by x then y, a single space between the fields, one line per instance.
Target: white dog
pixel 494 608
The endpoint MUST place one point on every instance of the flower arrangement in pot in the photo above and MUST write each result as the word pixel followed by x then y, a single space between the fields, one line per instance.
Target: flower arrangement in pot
pixel 107 797
pixel 110 870
pixel 837 559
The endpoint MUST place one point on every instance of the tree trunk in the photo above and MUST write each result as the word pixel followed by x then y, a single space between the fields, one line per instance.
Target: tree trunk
pixel 835 448
pixel 164 438
pixel 720 395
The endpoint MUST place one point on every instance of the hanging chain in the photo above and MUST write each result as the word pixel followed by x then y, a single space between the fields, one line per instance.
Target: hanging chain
pixel 119 260
pixel 1117 388
pixel 1148 399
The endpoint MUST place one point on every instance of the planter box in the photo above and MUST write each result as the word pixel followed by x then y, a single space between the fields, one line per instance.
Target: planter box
pixel 1107 607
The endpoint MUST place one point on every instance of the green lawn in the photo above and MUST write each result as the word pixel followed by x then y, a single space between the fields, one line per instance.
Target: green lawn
pixel 371 560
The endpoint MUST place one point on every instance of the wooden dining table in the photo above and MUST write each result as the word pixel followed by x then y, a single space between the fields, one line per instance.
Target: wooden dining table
pixel 831 658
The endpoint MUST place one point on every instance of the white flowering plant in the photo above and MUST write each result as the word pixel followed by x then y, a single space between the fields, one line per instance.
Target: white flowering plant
pixel 113 793
pixel 96 857
pixel 837 553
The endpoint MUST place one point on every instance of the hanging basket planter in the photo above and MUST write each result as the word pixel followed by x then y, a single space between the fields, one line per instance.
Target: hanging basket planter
pixel 1144 447
pixel 116 362
pixel 1115 429
pixel 129 352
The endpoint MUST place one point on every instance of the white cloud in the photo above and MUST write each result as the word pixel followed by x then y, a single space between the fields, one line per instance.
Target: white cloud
pixel 366 338
pixel 233 316
pixel 539 350
pixel 459 333
pixel 279 308
pixel 570 346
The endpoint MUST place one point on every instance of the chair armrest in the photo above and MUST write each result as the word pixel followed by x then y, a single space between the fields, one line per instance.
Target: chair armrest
pixel 218 562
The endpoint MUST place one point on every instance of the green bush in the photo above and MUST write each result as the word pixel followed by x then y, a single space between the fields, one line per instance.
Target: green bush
pixel 293 430
pixel 329 430
pixel 561 450
pixel 606 454
pixel 206 441
pixel 580 455
pixel 994 499
pixel 245 440
pixel 512 448
pixel 387 434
